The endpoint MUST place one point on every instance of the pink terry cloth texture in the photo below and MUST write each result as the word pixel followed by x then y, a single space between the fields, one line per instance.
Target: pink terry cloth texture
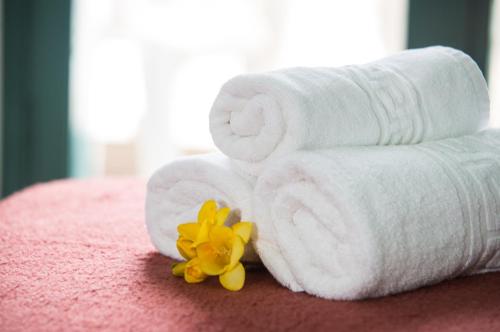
pixel 75 256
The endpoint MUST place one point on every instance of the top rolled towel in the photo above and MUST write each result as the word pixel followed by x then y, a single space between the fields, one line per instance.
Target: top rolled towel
pixel 414 96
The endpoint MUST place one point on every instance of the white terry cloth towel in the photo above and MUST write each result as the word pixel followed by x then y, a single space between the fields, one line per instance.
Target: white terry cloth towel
pixel 414 96
pixel 176 192
pixel 371 221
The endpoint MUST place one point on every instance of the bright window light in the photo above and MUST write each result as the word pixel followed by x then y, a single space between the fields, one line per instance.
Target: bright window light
pixel 145 72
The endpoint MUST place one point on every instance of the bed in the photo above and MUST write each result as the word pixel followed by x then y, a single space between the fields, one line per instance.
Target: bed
pixel 75 255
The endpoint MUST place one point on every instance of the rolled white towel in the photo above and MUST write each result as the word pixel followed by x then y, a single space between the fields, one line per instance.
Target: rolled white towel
pixel 414 96
pixel 176 192
pixel 370 221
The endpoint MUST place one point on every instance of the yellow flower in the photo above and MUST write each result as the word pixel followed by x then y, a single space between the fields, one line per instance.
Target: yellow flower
pixel 221 254
pixel 213 249
pixel 190 270
pixel 194 233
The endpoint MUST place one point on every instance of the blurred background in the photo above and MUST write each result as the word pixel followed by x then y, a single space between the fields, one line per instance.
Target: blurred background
pixel 120 87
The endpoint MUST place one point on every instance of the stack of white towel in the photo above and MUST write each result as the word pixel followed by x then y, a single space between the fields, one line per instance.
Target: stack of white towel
pixel 362 181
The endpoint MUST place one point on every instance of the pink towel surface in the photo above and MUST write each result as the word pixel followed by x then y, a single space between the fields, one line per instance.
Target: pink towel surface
pixel 75 255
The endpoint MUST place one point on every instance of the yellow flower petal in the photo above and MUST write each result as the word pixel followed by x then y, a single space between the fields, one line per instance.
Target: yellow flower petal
pixel 185 248
pixel 193 272
pixel 243 229
pixel 237 250
pixel 207 212
pixel 213 260
pixel 221 216
pixel 221 235
pixel 178 269
pixel 212 248
pixel 202 235
pixel 233 279
pixel 189 230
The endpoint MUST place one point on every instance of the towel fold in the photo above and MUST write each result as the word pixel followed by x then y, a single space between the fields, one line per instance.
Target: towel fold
pixel 414 96
pixel 176 192
pixel 363 222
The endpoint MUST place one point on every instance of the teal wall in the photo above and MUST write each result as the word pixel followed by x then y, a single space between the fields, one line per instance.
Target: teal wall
pixel 36 39
pixel 462 24
pixel 1 95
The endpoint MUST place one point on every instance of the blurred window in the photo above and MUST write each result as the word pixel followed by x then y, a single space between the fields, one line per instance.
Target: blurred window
pixel 494 65
pixel 145 72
